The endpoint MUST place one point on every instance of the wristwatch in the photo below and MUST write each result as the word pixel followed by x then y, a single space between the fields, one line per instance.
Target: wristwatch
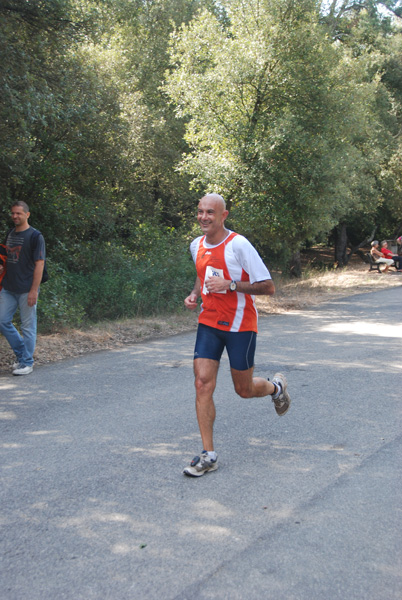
pixel 233 286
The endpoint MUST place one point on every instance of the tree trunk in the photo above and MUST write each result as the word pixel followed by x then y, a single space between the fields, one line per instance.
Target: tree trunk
pixel 341 242
pixel 356 249
pixel 295 264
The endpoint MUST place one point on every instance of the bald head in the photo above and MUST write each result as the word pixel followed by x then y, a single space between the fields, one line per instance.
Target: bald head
pixel 217 199
pixel 211 217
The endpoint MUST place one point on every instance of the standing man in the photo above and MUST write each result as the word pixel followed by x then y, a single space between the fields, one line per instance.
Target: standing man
pixel 230 273
pixel 24 269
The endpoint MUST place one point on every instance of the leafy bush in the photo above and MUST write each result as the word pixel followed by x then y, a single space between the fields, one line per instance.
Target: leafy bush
pixel 109 281
pixel 56 309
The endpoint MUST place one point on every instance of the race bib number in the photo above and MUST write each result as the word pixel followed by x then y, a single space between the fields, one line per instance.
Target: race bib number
pixel 212 272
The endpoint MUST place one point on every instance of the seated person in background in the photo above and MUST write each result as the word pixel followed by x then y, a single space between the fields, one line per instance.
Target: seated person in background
pixel 388 254
pixel 378 256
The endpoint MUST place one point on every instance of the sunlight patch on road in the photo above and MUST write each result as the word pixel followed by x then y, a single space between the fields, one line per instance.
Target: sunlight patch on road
pixel 205 532
pixel 11 446
pixel 43 432
pixel 365 328
pixel 156 449
pixel 7 386
pixel 7 415
pixel 215 509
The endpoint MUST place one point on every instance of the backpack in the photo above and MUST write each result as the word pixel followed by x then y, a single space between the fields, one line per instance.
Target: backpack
pixel 3 260
pixel 34 240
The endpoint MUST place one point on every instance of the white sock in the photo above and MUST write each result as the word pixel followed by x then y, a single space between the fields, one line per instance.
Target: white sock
pixel 212 454
pixel 279 390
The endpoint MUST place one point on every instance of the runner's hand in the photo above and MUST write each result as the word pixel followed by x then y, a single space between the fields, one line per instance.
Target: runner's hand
pixel 216 285
pixel 191 301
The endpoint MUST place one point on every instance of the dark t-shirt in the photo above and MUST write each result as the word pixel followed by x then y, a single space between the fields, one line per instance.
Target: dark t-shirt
pixel 21 258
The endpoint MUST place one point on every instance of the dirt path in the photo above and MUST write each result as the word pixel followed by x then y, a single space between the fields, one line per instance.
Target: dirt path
pixel 289 296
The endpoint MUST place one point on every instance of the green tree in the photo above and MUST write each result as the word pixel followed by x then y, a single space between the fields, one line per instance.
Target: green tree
pixel 279 119
pixel 60 117
pixel 88 141
pixel 156 134
pixel 372 36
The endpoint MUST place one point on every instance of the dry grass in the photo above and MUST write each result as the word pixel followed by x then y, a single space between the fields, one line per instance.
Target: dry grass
pixel 314 288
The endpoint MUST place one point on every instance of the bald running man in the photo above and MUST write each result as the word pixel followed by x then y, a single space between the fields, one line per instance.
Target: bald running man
pixel 230 273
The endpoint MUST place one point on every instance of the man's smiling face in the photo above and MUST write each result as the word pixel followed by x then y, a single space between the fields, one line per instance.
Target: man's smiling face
pixel 211 217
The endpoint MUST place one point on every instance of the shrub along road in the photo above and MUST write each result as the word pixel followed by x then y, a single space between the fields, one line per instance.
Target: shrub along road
pixel 303 507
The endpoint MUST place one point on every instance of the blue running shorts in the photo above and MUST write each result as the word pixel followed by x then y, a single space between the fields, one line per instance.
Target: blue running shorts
pixel 240 346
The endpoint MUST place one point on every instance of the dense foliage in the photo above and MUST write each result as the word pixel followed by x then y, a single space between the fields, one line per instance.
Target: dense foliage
pixel 290 118
pixel 118 114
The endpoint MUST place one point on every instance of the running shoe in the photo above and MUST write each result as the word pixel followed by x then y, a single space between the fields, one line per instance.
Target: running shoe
pixel 282 401
pixel 200 465
pixel 21 370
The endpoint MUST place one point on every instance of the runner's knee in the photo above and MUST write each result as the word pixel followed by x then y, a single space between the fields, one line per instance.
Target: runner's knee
pixel 204 384
pixel 244 391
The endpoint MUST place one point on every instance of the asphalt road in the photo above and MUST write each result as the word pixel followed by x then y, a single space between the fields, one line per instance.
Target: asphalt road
pixel 304 507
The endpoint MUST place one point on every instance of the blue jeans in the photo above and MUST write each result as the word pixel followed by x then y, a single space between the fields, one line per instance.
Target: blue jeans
pixel 23 346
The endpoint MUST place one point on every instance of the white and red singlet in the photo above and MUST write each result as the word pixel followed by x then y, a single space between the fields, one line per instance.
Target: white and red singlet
pixel 235 259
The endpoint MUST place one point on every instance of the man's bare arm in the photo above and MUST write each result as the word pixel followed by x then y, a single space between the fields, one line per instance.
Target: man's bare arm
pixel 37 278
pixel 215 285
